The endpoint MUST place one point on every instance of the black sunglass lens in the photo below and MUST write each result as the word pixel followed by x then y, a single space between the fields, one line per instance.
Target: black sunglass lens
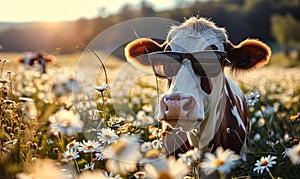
pixel 165 65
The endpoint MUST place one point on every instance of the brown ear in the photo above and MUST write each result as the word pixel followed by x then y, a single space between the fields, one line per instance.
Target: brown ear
pixel 20 59
pixel 136 51
pixel 50 58
pixel 248 54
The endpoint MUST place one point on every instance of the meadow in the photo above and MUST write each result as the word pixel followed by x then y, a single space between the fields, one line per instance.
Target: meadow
pixel 73 122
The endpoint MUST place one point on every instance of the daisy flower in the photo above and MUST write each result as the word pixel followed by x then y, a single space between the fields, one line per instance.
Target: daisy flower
pixel 99 156
pixel 88 166
pixel 116 120
pixel 6 146
pixel 264 163
pixel 101 89
pixel 294 154
pixel 144 119
pixel 157 144
pixel 110 175
pixel 73 145
pixel 70 155
pixel 25 99
pixel 147 108
pixel 90 146
pixel 222 162
pixel 190 156
pixel 3 60
pixel 123 155
pixel 252 98
pixel 146 146
pixel 152 156
pixel 156 159
pixel 66 122
pixel 175 169
pixel 46 169
pixel 106 135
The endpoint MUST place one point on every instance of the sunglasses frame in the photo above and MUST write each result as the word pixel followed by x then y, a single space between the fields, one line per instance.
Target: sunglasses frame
pixel 180 56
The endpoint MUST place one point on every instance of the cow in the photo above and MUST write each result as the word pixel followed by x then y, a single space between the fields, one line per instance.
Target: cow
pixel 203 105
pixel 37 59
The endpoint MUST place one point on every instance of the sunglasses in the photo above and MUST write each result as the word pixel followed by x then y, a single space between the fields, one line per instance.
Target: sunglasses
pixel 208 63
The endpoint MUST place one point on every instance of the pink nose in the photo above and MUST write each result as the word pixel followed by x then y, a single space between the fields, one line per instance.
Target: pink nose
pixel 177 106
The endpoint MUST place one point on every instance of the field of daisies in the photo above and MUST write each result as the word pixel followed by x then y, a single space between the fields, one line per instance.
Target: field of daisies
pixel 54 125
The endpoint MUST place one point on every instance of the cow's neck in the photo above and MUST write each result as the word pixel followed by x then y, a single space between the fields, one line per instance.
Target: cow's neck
pixel 230 130
pixel 202 136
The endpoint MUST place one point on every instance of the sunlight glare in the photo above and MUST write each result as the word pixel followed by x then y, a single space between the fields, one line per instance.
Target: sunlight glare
pixel 61 10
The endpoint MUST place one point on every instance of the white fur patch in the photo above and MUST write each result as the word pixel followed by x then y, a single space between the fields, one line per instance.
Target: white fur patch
pixel 238 117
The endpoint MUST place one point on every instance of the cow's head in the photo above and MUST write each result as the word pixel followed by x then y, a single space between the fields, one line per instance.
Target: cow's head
pixel 192 59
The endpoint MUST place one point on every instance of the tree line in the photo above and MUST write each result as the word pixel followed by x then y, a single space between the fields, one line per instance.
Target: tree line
pixel 272 21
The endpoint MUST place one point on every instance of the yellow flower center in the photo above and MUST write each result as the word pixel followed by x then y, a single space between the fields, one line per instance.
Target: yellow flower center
pixel 89 147
pixel 116 119
pixel 219 162
pixel 264 163
pixel 294 117
pixel 69 156
pixel 164 175
pixel 164 133
pixel 119 147
pixel 152 154
pixel 107 136
pixel 66 123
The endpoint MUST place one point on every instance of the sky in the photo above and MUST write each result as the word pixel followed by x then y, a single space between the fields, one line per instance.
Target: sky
pixel 60 10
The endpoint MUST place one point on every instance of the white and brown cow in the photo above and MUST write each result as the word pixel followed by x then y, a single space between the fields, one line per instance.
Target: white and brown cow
pixel 37 59
pixel 201 101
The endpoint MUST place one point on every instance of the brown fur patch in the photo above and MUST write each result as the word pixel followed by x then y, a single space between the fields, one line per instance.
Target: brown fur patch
pixel 135 51
pixel 249 54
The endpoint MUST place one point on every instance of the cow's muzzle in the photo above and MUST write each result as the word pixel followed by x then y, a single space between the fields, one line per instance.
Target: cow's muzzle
pixel 178 110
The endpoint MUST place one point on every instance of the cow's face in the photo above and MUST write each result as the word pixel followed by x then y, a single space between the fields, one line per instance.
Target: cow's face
pixel 192 60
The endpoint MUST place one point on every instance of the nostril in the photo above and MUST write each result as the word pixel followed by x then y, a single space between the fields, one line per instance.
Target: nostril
pixel 187 105
pixel 167 108
pixel 178 102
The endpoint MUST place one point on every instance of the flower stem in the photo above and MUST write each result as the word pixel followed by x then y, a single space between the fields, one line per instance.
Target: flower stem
pixel 92 154
pixel 2 68
pixel 102 105
pixel 102 64
pixel 77 167
pixel 61 141
pixel 271 175
pixel 10 86
pixel 222 175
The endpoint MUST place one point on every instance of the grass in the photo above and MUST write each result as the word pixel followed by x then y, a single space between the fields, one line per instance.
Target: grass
pixel 279 59
pixel 40 123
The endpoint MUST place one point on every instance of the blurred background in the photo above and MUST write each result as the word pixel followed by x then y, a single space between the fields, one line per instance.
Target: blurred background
pixel 34 25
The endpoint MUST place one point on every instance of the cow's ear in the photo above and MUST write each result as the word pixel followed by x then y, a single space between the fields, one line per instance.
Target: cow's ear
pixel 249 54
pixel 136 51
pixel 50 58
pixel 20 59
